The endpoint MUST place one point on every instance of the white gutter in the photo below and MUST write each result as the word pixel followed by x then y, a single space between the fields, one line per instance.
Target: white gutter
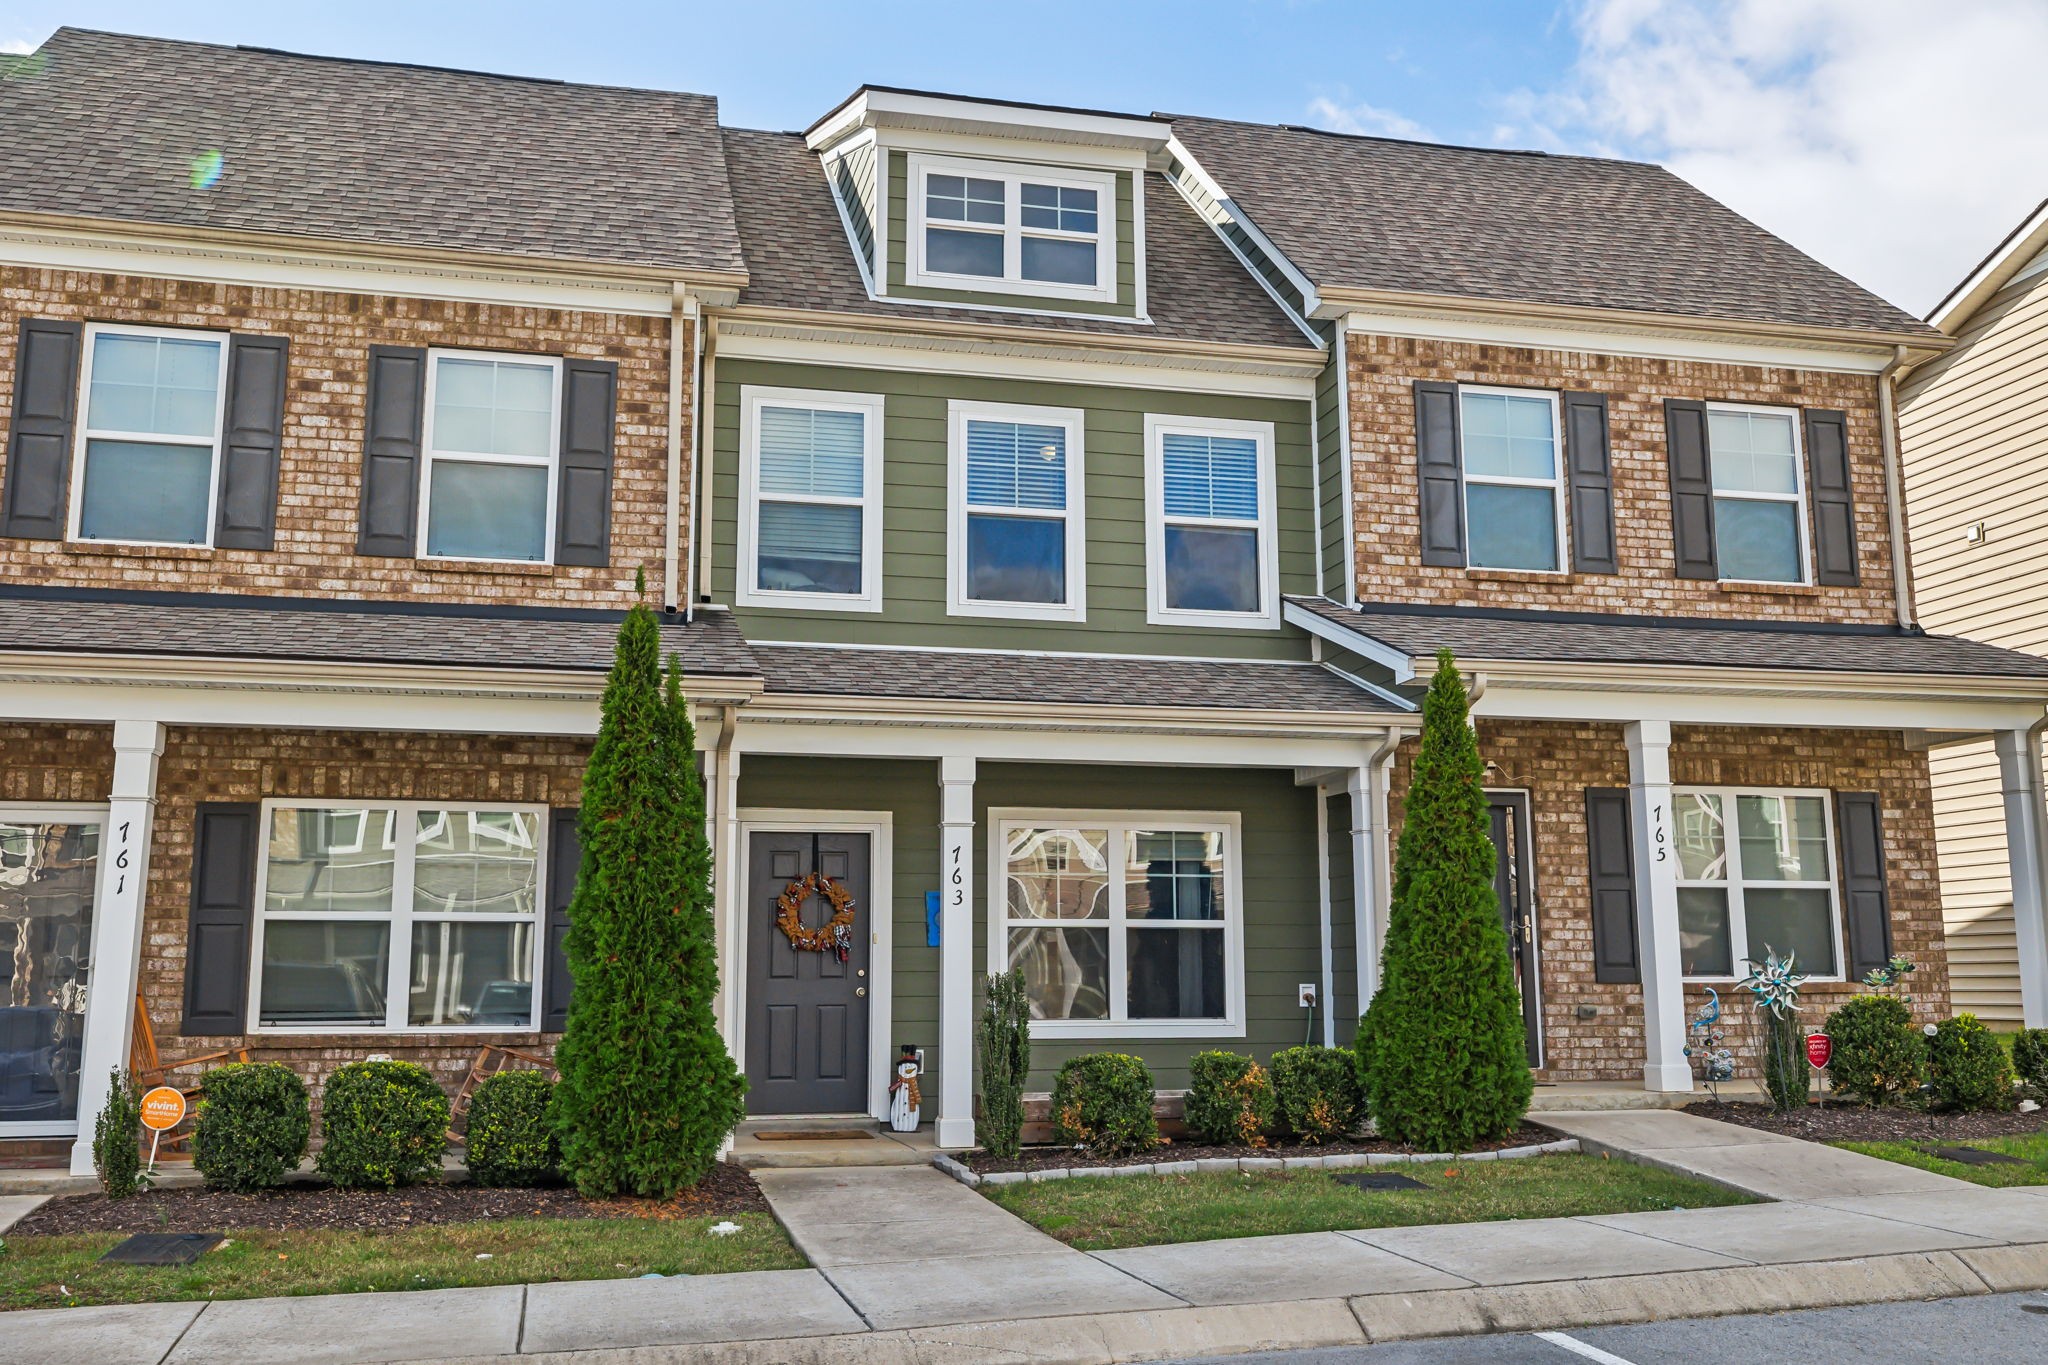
pixel 700 505
pixel 1894 486
pixel 682 312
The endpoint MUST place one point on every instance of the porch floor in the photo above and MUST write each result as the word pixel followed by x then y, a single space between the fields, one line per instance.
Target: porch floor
pixel 879 1148
pixel 1584 1096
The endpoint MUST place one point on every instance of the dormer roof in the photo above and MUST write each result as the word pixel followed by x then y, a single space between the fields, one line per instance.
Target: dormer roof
pixel 888 106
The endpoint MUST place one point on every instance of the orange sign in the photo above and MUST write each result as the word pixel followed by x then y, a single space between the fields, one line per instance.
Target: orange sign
pixel 162 1108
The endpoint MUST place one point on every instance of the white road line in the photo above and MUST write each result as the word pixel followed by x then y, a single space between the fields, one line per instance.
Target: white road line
pixel 1580 1348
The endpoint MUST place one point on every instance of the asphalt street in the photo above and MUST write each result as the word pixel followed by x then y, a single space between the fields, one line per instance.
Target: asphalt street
pixel 2003 1329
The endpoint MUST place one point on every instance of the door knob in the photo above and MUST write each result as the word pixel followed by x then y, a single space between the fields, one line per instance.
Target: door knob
pixel 860 990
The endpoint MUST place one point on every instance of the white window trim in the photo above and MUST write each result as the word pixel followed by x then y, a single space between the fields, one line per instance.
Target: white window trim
pixel 93 332
pixel 428 454
pixel 1157 427
pixel 1797 499
pixel 1073 422
pixel 1226 823
pixel 1735 883
pixel 870 406
pixel 397 991
pixel 1555 483
pixel 1012 174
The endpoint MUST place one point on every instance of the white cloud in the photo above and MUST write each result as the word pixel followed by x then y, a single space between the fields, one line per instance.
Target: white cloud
pixel 1893 139
pixel 15 47
pixel 1363 118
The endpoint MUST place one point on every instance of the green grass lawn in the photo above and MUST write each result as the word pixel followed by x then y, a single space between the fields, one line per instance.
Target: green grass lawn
pixel 2033 1147
pixel 62 1272
pixel 1103 1214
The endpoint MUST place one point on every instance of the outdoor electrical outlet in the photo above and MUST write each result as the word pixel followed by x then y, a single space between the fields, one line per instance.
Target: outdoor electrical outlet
pixel 919 1054
pixel 1308 995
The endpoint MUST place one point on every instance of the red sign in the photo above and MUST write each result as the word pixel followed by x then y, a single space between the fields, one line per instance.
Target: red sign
pixel 1819 1048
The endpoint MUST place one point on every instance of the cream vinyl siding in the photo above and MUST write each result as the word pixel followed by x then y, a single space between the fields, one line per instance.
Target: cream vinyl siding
pixel 1974 429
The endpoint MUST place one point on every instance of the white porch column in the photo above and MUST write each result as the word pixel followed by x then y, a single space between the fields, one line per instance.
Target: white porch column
pixel 1367 904
pixel 117 909
pixel 955 1126
pixel 1656 873
pixel 2026 845
pixel 727 868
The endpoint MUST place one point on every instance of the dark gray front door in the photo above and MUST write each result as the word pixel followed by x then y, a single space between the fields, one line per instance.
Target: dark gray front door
pixel 807 1013
pixel 1511 883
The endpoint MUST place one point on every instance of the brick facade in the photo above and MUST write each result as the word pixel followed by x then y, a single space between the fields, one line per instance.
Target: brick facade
pixel 1556 761
pixel 1382 371
pixel 320 470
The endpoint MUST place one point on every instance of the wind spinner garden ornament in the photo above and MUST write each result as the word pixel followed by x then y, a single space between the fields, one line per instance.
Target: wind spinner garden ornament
pixel 1775 984
pixel 1717 1063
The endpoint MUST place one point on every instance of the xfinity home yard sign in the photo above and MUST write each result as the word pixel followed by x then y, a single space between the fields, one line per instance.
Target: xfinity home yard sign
pixel 1819 1049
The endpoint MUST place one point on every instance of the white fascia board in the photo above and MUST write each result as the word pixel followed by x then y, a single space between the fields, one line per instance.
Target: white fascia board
pixel 1311 299
pixel 169 258
pixel 762 733
pixel 1749 697
pixel 839 340
pixel 1993 273
pixel 983 118
pixel 1010 147
pixel 1397 661
pixel 1677 344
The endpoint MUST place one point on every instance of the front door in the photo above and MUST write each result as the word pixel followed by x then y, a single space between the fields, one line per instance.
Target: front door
pixel 807 1012
pixel 1513 885
pixel 49 864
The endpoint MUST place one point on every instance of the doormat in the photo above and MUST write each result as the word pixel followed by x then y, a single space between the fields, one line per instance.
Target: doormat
pixel 1977 1156
pixel 1379 1180
pixel 816 1135
pixel 164 1248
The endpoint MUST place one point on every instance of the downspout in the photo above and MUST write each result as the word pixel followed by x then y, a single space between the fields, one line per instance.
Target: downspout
pixel 700 508
pixel 682 312
pixel 1894 486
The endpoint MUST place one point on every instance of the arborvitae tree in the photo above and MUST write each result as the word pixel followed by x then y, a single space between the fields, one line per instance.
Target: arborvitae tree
pixel 1445 1061
pixel 648 1089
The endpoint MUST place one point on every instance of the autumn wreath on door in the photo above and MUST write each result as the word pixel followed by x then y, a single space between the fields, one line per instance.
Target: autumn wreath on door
pixel 835 933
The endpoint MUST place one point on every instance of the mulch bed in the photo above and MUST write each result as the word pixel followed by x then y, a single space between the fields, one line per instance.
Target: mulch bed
pixel 1052 1158
pixel 1864 1123
pixel 727 1190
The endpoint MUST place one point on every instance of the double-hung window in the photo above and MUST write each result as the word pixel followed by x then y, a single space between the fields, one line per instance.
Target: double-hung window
pixel 1759 493
pixel 1756 875
pixel 810 499
pixel 1514 501
pixel 148 456
pixel 492 434
pixel 1012 229
pixel 1210 522
pixel 398 915
pixel 1123 924
pixel 1017 532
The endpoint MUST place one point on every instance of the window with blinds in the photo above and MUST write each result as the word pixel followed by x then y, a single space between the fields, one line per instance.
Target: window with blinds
pixel 1017 528
pixel 1212 532
pixel 811 483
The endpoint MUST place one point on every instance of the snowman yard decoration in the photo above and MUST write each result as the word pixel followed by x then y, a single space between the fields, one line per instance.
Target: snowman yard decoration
pixel 904 1100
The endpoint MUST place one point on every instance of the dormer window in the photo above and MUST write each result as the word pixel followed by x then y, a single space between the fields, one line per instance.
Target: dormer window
pixel 1012 229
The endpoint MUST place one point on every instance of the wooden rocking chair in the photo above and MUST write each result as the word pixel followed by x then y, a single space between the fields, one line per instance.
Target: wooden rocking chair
pixel 488 1062
pixel 149 1071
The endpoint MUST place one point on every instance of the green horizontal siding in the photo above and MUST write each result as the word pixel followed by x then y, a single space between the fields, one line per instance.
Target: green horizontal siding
pixel 1343 923
pixel 1125 305
pixel 914 514
pixel 854 175
pixel 1333 534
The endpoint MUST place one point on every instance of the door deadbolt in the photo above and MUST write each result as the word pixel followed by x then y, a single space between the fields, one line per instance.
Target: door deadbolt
pixel 860 971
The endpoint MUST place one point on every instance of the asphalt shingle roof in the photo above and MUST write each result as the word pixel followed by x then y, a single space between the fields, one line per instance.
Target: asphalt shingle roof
pixel 1524 227
pixel 109 622
pixel 1062 679
pixel 107 126
pixel 1564 637
pixel 798 257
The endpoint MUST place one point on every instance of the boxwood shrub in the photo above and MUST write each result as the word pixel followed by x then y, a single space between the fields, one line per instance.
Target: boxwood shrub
pixel 1967 1067
pixel 1103 1102
pixel 511 1137
pixel 116 1154
pixel 1230 1099
pixel 381 1124
pixel 1880 1055
pixel 1318 1093
pixel 2030 1062
pixel 253 1123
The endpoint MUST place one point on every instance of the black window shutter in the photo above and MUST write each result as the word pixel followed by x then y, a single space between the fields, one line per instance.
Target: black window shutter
pixel 565 859
pixel 394 410
pixel 224 845
pixel 1834 501
pixel 1610 852
pixel 1439 471
pixel 255 435
pixel 1692 488
pixel 1591 480
pixel 1865 902
pixel 39 444
pixel 583 506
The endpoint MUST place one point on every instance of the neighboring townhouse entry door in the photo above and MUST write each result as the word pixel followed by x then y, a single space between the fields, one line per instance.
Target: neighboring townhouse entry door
pixel 1513 883
pixel 49 869
pixel 807 1012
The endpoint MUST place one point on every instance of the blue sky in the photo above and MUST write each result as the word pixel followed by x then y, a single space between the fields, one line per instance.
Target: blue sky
pixel 1895 140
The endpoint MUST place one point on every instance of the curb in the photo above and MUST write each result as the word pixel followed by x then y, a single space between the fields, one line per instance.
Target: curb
pixel 1374 1319
pixel 1250 1164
